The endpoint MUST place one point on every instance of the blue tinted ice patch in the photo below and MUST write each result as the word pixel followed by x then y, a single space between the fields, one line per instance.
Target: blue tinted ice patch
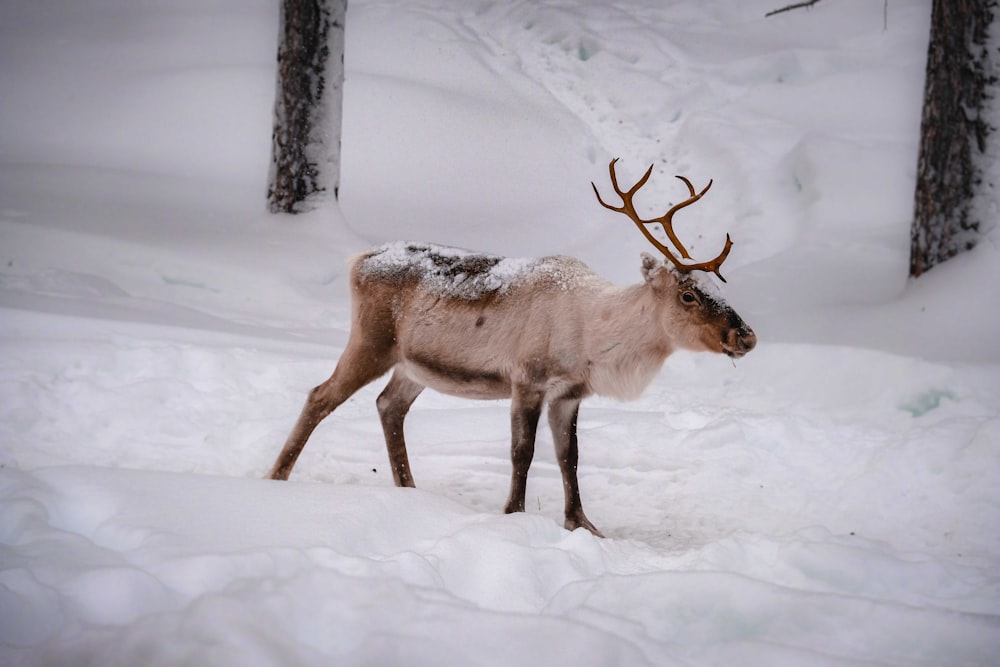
pixel 920 405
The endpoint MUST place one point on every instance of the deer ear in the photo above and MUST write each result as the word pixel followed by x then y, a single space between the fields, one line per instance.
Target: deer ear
pixel 649 266
pixel 658 274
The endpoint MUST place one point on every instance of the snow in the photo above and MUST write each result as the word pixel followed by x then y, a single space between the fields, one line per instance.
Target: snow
pixel 452 272
pixel 828 500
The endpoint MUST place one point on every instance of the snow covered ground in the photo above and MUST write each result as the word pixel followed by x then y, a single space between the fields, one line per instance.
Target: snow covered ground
pixel 831 499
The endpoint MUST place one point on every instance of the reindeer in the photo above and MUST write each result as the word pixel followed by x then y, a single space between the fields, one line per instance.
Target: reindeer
pixel 545 331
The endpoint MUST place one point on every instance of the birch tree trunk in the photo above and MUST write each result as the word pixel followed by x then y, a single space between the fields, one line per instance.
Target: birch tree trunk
pixel 308 103
pixel 953 169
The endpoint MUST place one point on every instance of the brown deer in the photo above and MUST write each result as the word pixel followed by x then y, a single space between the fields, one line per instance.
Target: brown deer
pixel 546 331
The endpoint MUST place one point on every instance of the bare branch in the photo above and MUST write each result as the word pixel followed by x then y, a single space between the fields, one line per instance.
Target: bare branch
pixel 796 5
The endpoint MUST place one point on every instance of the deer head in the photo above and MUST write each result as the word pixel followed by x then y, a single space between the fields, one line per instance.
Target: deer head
pixel 693 315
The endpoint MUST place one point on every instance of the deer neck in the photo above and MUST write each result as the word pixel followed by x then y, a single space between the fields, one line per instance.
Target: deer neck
pixel 627 342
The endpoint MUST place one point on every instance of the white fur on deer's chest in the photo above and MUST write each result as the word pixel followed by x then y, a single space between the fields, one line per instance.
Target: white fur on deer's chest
pixel 623 372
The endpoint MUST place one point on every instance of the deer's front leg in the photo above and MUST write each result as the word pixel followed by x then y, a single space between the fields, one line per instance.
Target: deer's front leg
pixel 525 410
pixel 562 418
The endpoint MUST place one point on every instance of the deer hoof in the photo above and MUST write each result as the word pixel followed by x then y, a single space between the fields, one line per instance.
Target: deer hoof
pixel 572 523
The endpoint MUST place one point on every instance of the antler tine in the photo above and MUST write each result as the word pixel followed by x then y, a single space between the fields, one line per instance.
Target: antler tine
pixel 691 187
pixel 714 264
pixel 628 209
pixel 666 220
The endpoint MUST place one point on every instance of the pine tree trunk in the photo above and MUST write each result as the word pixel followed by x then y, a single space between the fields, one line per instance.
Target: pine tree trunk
pixel 305 142
pixel 961 72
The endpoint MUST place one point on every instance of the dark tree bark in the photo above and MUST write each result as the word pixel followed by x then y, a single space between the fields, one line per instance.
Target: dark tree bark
pixel 952 170
pixel 305 142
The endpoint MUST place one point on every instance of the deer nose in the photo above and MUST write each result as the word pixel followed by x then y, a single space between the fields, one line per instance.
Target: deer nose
pixel 739 341
pixel 746 340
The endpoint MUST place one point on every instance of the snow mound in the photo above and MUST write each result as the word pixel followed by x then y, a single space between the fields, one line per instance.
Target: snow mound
pixel 830 499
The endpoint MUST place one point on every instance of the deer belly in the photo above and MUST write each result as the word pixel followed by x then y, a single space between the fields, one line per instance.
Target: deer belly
pixel 454 378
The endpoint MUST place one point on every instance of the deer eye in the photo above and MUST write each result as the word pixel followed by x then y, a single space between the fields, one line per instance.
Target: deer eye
pixel 689 298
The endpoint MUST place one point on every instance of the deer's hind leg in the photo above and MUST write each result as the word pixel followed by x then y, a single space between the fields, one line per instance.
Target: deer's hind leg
pixel 393 404
pixel 525 411
pixel 363 361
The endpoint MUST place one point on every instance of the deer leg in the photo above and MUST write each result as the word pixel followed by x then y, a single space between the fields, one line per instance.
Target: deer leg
pixel 359 365
pixel 393 404
pixel 525 410
pixel 562 419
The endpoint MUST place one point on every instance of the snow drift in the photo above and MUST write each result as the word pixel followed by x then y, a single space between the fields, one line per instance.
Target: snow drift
pixel 831 499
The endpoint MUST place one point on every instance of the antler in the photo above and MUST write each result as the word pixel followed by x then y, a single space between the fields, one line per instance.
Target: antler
pixel 666 220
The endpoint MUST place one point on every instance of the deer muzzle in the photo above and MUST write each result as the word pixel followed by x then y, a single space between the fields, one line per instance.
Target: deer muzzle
pixel 739 340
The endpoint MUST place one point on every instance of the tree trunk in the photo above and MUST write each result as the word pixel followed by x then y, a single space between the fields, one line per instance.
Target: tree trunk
pixel 305 142
pixel 951 169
